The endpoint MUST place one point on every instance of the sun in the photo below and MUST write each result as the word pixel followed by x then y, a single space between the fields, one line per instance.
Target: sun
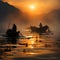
pixel 32 7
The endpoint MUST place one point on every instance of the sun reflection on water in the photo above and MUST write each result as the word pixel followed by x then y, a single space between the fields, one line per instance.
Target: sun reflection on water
pixel 35 46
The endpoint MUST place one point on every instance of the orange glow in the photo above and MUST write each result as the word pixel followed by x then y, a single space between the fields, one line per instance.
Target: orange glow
pixel 32 7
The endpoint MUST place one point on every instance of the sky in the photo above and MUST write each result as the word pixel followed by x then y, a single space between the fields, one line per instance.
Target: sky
pixel 34 9
pixel 41 6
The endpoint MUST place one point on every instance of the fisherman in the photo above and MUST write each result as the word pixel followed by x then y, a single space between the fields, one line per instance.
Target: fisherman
pixel 12 34
pixel 41 30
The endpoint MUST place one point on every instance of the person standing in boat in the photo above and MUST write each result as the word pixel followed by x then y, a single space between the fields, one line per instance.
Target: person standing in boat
pixel 12 34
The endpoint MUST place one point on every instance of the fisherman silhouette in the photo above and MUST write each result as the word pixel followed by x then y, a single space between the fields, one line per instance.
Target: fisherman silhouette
pixel 41 30
pixel 40 25
pixel 12 34
pixel 14 28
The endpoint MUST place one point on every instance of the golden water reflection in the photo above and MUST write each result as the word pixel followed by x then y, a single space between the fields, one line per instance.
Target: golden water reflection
pixel 30 48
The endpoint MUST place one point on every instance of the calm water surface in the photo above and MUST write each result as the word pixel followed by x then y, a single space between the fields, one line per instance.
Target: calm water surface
pixel 43 48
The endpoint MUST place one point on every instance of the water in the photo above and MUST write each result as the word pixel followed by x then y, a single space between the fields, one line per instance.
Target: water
pixel 44 48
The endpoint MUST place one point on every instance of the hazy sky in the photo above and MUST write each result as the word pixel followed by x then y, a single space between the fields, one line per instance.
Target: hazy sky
pixel 40 5
pixel 35 7
pixel 44 1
